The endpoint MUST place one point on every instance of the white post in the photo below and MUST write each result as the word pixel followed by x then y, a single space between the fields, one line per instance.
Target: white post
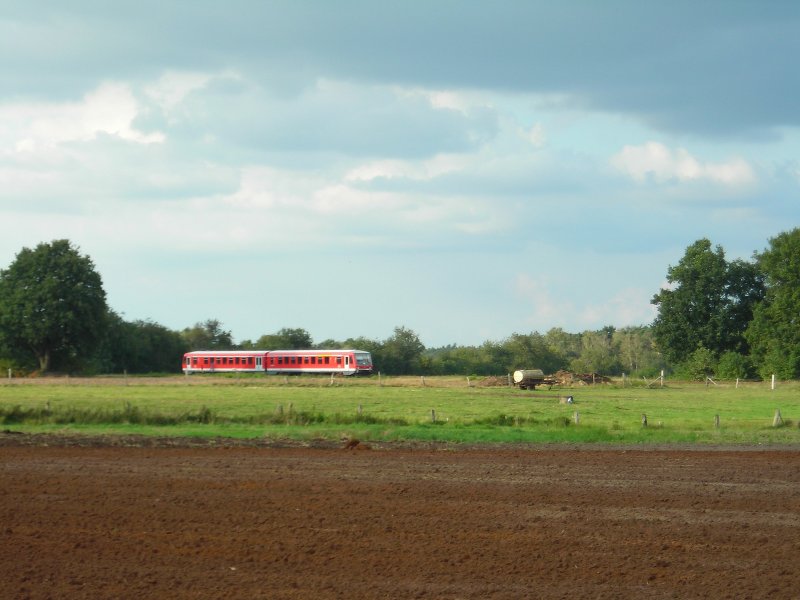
pixel 9 373
pixel 773 381
pixel 662 377
pixel 737 383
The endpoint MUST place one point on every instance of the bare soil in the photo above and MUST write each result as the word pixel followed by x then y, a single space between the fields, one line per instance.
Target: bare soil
pixel 128 518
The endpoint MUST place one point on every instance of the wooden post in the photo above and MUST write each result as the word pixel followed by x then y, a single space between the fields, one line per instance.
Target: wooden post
pixel 623 380
pixel 380 381
pixel 433 416
pixel 423 380
pixel 331 378
pixel 279 410
pixel 360 410
pixel 777 420
pixel 644 420
pixel 9 373
pixel 576 417
pixel 737 383
pixel 468 383
pixel 716 421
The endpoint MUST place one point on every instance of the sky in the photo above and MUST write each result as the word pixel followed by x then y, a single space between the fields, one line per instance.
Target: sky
pixel 467 170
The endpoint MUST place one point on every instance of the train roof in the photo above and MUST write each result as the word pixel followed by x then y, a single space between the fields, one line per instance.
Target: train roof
pixel 248 352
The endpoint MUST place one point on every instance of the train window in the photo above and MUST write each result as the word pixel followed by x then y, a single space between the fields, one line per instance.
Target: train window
pixel 338 360
pixel 305 359
pixel 327 360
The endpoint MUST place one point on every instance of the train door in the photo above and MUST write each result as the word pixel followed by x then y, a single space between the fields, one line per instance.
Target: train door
pixel 346 362
pixel 258 363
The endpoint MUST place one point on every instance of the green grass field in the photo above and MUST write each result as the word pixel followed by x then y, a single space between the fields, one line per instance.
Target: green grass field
pixel 403 409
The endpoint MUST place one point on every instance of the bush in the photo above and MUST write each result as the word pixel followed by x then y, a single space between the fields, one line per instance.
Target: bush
pixel 733 365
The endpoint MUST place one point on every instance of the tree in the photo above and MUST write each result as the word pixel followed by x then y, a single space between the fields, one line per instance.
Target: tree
pixel 710 303
pixel 700 364
pixel 142 347
pixel 599 353
pixel 774 332
pixel 208 336
pixel 637 351
pixel 531 351
pixel 401 353
pixel 52 305
pixel 286 339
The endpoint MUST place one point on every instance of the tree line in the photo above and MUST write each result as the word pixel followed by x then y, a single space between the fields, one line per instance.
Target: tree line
pixel 715 318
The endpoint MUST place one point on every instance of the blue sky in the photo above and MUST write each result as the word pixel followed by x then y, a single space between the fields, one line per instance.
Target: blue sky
pixel 465 169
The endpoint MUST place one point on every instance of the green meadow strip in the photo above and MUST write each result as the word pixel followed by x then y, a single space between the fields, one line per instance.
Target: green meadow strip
pixel 425 409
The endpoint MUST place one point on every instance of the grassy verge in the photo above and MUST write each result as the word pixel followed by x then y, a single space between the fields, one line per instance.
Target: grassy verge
pixel 433 409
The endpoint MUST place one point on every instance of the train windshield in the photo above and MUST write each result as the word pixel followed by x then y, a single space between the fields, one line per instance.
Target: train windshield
pixel 363 359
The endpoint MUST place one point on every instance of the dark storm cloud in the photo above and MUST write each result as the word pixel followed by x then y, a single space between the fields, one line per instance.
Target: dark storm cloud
pixel 712 68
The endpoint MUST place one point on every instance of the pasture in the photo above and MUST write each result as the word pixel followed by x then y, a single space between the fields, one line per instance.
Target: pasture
pixel 446 409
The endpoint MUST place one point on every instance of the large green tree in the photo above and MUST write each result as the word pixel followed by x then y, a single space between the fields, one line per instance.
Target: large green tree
pixel 774 332
pixel 709 303
pixel 52 305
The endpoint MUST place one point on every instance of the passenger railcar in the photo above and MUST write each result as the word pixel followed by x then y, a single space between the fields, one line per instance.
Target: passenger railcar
pixel 345 362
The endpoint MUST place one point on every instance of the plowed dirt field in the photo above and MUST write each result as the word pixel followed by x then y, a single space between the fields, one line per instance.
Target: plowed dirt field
pixel 107 521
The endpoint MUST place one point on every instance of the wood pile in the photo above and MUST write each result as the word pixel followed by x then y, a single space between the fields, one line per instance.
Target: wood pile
pixel 567 378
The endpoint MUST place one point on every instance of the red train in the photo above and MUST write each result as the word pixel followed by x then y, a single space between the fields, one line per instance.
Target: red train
pixel 346 362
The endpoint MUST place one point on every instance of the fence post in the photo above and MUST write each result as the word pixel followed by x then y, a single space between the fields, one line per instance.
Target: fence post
pixel 644 420
pixel 777 420
pixel 716 421
pixel 577 417
pixel 773 381
pixel 433 416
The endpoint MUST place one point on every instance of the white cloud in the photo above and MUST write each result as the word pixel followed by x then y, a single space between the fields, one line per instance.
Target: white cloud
pixel 630 306
pixel 440 164
pixel 542 307
pixel 109 109
pixel 173 86
pixel 536 135
pixel 655 161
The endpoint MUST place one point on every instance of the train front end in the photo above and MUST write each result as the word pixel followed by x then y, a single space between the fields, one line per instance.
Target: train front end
pixel 363 361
